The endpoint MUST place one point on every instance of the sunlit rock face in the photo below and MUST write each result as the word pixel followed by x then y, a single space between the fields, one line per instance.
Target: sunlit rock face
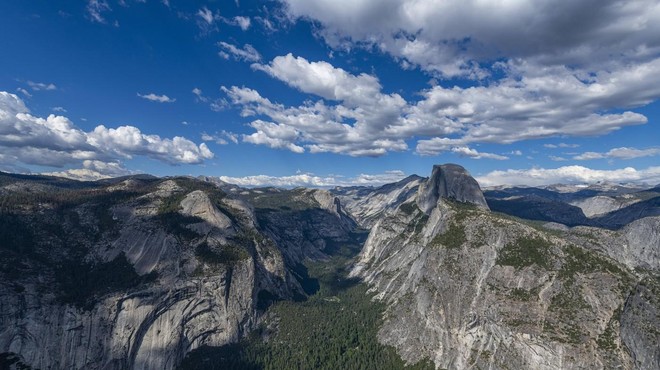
pixel 469 288
pixel 137 273
pixel 449 181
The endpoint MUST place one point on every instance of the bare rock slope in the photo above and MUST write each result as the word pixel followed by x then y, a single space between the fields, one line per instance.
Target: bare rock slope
pixel 136 274
pixel 469 288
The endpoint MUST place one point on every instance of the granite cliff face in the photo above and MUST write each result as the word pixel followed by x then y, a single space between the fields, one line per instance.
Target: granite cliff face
pixel 137 273
pixel 449 181
pixel 469 288
pixel 367 204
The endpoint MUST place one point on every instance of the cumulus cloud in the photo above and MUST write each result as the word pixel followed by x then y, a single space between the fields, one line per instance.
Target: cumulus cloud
pixel 55 141
pixel 537 105
pixel 577 68
pixel 452 38
pixel 311 180
pixel 354 116
pixel 247 53
pixel 322 79
pixel 40 86
pixel 619 153
pixel 274 135
pixel 157 98
pixel 356 125
pixel 569 175
pixel 93 170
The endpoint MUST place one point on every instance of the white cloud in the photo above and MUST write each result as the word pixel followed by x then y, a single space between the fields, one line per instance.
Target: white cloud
pixel 541 104
pixel 358 125
pixel 529 104
pixel 24 92
pixel 557 70
pixel 216 105
pixel 451 37
pixel 619 153
pixel 40 86
pixel 561 145
pixel 439 145
pixel 274 135
pixel 95 10
pixel 311 180
pixel 569 175
pixel 207 20
pixel 126 141
pixel 59 109
pixel 206 15
pixel 464 151
pixel 322 79
pixel 56 141
pixel 247 54
pixel 199 96
pixel 157 98
pixel 93 170
pixel 223 137
pixel 242 22
pixel 557 158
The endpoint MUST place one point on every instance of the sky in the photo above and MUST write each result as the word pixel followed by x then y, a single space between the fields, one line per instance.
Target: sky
pixel 332 92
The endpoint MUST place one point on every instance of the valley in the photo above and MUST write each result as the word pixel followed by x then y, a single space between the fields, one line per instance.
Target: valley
pixel 183 273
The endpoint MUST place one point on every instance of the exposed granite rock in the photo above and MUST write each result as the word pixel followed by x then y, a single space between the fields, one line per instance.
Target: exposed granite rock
pixel 471 289
pixel 599 205
pixel 449 181
pixel 639 324
pixel 198 204
pixel 367 204
pixel 637 245
pixel 195 262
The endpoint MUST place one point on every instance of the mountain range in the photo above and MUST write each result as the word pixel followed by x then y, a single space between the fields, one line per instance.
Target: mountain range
pixel 141 272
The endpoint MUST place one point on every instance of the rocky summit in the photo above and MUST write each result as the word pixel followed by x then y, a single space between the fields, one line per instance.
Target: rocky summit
pixel 449 181
pixel 164 273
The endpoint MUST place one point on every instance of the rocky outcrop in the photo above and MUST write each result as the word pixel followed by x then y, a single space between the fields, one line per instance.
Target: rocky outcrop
pixel 367 204
pixel 639 324
pixel 625 215
pixel 449 181
pixel 135 274
pixel 637 245
pixel 310 224
pixel 149 328
pixel 598 205
pixel 471 289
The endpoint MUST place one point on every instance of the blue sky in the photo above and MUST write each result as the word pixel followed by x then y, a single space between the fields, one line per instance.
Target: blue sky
pixel 324 92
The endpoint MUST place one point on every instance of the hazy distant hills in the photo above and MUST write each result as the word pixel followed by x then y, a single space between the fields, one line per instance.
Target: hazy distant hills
pixel 608 206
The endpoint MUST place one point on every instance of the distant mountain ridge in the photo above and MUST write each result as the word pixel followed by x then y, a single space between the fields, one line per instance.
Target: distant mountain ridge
pixel 139 271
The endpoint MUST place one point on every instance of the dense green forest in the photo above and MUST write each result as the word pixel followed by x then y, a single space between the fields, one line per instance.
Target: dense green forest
pixel 335 328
